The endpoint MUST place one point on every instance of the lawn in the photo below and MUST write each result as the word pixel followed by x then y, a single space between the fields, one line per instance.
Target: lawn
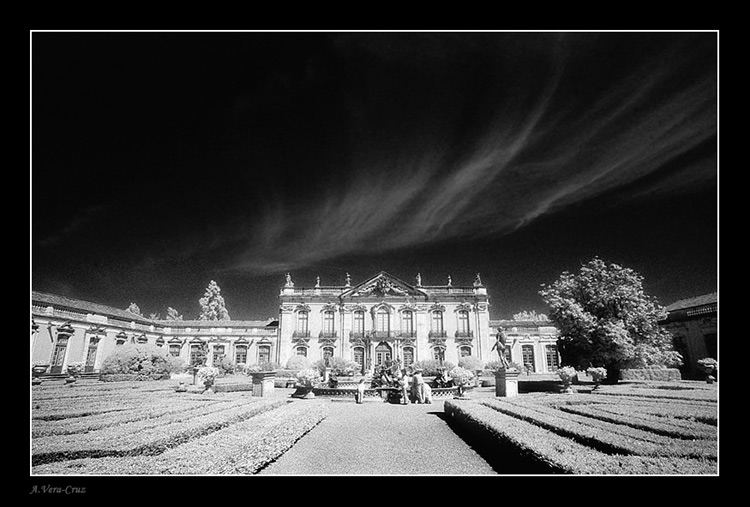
pixel 634 428
pixel 148 428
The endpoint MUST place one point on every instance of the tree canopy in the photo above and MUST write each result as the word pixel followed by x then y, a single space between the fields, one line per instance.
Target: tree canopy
pixel 606 319
pixel 212 304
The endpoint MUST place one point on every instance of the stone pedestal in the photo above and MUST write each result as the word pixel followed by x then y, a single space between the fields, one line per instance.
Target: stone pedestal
pixel 506 383
pixel 326 375
pixel 263 383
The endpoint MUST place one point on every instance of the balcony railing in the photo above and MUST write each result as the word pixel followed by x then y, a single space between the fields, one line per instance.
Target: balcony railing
pixel 356 334
pixel 328 335
pixel 382 335
pixel 437 334
pixel 301 334
pixel 407 334
pixel 464 334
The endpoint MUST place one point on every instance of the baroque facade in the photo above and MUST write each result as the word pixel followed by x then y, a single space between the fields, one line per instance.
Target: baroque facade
pixel 693 323
pixel 531 344
pixel 66 331
pixel 384 318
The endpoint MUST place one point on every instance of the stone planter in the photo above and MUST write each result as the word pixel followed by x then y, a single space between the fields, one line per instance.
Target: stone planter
pixel 182 388
pixel 39 369
pixel 263 383
pixel 506 383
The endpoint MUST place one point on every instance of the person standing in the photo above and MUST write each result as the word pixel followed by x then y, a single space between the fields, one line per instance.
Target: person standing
pixel 405 382
pixel 360 394
pixel 418 382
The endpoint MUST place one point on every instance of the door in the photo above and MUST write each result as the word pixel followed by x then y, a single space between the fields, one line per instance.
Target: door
pixel 359 358
pixel 382 354
pixel 58 355
pixel 91 355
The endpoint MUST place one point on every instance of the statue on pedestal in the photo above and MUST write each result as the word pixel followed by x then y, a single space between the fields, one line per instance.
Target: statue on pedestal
pixel 500 345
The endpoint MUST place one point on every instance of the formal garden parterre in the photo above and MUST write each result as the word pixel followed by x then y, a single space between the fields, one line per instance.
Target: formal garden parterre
pixel 633 428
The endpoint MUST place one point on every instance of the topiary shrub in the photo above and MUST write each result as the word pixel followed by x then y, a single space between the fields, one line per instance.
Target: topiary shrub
pixel 298 363
pixel 339 366
pixel 432 367
pixel 472 363
pixel 141 359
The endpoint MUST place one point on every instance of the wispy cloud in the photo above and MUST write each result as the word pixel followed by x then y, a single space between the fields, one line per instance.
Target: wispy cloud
pixel 535 156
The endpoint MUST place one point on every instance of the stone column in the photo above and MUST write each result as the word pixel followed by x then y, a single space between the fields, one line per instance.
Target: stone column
pixel 506 383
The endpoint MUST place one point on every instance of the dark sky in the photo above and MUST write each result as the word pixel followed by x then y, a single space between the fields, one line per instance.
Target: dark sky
pixel 161 161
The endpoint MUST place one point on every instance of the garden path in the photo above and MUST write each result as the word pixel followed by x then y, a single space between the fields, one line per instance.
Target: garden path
pixel 377 438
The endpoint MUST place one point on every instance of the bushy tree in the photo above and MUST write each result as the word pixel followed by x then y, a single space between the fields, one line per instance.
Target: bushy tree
pixel 172 314
pixel 212 304
pixel 142 359
pixel 298 362
pixel 606 319
pixel 530 315
pixel 472 363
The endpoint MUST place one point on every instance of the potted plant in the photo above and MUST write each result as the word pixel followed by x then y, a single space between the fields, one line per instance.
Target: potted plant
pixel 598 374
pixel 710 365
pixel 39 368
pixel 566 374
pixel 208 375
pixel 461 377
pixel 307 379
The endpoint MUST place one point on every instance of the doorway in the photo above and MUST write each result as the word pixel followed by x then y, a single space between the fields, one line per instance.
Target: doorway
pixel 383 353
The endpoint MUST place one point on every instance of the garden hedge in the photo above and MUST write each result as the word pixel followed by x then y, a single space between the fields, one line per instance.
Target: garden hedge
pixel 660 374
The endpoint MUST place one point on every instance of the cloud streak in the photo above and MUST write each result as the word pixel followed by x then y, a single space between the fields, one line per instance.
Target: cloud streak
pixel 536 148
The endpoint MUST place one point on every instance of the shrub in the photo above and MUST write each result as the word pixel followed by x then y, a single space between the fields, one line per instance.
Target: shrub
pixel 298 363
pixel 461 376
pixel 431 367
pixel 339 366
pixel 227 366
pixel 597 374
pixel 309 377
pixel 142 359
pixel 471 363
pixel 260 367
pixel 652 373
pixel 566 374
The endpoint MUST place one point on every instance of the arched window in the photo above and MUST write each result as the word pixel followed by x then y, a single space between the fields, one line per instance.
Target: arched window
pixel 197 356
pixel 408 356
pixel 359 357
pixel 302 351
pixel 327 353
pixel 240 354
pixel 436 321
pixel 527 355
pixel 552 359
pixel 464 351
pixel 218 354
pixel 463 322
pixel 407 323
pixel 264 353
pixel 174 349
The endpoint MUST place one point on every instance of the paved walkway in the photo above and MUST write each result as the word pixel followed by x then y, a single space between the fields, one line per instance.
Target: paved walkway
pixel 377 438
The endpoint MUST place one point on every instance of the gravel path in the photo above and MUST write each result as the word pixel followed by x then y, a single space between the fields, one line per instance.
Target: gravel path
pixel 376 438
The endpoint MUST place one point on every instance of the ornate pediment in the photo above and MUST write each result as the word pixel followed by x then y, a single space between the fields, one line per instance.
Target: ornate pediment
pixel 383 285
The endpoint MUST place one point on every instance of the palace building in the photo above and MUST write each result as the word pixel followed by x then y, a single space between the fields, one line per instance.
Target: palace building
pixel 370 322
pixel 384 318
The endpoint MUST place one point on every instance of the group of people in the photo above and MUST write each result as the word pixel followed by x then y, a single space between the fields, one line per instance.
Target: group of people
pixel 410 384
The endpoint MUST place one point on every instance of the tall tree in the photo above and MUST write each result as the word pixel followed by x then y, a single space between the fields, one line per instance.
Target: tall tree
pixel 606 319
pixel 212 304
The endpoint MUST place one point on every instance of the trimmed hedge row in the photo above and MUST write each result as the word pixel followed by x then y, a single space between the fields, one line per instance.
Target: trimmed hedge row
pixel 151 436
pixel 129 377
pixel 670 395
pixel 243 448
pixel 605 436
pixel 121 417
pixel 671 412
pixel 660 374
pixel 543 451
pixel 654 424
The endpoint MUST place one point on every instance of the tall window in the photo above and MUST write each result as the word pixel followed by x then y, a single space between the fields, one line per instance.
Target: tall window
pixel 196 354
pixel 58 356
pixel 382 322
pixel 240 354
pixel 358 324
pixel 408 356
pixel 359 357
pixel 407 323
pixel 437 321
pixel 463 322
pixel 264 353
pixel 218 354
pixel 328 322
pixel 527 354
pixel 552 359
pixel 174 349
pixel 302 318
